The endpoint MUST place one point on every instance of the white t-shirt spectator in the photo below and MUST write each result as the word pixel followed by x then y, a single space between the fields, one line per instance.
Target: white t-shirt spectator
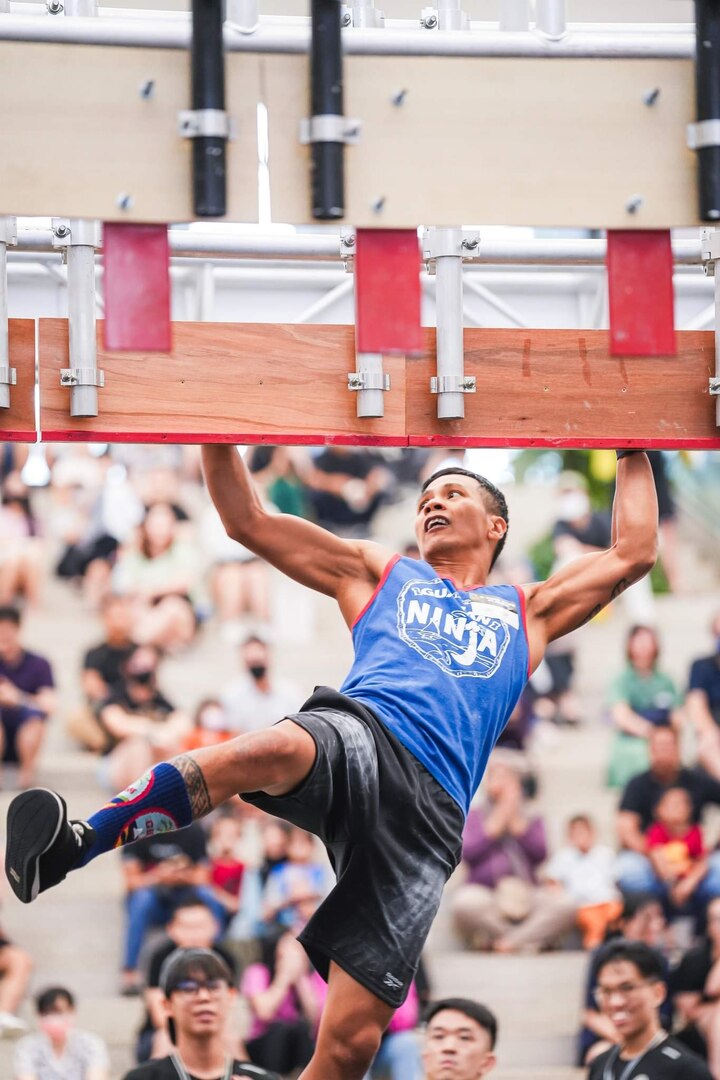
pixel 248 708
pixel 589 878
pixel 35 1058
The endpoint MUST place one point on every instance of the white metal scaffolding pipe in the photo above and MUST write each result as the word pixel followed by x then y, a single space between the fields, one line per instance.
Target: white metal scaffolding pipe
pixel 449 321
pixel 326 247
pixel 451 15
pixel 280 38
pixel 81 321
pixel 550 18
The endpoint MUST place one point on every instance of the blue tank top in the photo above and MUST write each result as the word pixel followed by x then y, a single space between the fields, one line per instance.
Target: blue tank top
pixel 441 667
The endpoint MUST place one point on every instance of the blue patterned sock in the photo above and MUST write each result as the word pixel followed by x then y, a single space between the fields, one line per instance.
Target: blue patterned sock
pixel 156 803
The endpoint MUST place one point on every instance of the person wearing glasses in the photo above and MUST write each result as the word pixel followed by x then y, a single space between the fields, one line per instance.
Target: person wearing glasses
pixel 630 990
pixel 199 996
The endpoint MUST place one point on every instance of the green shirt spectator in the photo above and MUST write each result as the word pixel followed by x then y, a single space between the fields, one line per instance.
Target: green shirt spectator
pixel 640 698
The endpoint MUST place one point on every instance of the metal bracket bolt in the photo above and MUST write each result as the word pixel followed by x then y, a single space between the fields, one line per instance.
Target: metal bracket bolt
pixel 634 203
pixel 124 201
pixel 379 205
pixel 205 123
pixel 453 384
pixel 715 386
pixel 330 129
pixel 75 232
pixel 346 18
pixel 650 97
pixel 429 19
pixel 82 377
pixel 147 89
pixel 54 7
pixel 364 380
pixel 436 244
pixel 398 98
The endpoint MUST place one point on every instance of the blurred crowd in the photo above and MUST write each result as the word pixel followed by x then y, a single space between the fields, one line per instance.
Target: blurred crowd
pixel 131 533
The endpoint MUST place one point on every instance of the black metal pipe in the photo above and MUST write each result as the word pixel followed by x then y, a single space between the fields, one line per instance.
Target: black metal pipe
pixel 208 92
pixel 326 99
pixel 707 83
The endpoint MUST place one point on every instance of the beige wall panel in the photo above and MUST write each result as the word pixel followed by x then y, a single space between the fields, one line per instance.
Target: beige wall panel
pixel 76 134
pixel 561 387
pixel 17 424
pixel 236 382
pixel 497 141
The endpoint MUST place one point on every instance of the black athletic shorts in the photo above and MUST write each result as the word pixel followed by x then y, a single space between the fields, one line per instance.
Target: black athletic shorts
pixel 393 835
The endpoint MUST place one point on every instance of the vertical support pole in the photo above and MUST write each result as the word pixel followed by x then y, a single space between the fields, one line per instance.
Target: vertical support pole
pixel 550 18
pixel 87 9
pixel 365 15
pixel 451 15
pixel 8 235
pixel 326 100
pixel 449 319
pixel 242 15
pixel 4 7
pixel 704 136
pixel 81 325
pixel 514 14
pixel 208 103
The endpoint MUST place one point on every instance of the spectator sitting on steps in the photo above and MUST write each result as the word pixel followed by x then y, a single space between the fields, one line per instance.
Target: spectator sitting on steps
pixel 27 698
pixel 459 1040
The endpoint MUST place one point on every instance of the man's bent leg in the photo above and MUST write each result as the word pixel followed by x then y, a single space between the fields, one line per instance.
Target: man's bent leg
pixel 351 1028
pixel 42 846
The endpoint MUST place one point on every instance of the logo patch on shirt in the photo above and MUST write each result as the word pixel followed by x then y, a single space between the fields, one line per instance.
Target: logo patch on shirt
pixel 465 637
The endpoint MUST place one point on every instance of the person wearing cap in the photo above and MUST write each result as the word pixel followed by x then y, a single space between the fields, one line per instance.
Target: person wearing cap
pixel 199 995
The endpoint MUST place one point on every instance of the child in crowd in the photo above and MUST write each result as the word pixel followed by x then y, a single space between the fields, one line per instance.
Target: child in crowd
pixel 294 888
pixel 675 846
pixel 585 869
pixel 226 866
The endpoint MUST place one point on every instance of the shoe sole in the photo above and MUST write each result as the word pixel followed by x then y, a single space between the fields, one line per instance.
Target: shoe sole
pixel 34 821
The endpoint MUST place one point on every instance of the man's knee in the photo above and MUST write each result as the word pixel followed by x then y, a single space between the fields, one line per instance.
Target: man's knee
pixel 351 1049
pixel 284 755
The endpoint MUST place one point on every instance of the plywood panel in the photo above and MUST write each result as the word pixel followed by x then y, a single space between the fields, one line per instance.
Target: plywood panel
pixel 17 424
pixel 76 134
pixel 234 382
pixel 501 141
pixel 561 387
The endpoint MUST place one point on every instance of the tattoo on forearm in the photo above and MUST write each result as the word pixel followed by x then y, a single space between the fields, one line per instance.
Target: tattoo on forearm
pixel 589 618
pixel 197 789
pixel 619 588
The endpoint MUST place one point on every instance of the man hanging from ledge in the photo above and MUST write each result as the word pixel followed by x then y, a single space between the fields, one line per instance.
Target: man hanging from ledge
pixel 383 771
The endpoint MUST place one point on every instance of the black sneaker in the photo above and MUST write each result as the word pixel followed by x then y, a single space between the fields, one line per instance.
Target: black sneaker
pixel 42 846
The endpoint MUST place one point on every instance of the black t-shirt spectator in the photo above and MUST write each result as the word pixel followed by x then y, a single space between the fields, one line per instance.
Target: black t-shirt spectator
pixel 597 533
pixel 643 793
pixel 157 708
pixel 163 1069
pixel 691 974
pixel 158 958
pixel 107 660
pixel 705 676
pixel 189 842
pixel 668 1061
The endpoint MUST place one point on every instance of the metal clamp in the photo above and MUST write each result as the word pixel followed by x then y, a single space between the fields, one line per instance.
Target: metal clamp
pixel 715 386
pixel 8 231
pixel 703 133
pixel 8 376
pixel 453 384
pixel 330 129
pixel 75 232
pixel 205 123
pixel 365 380
pixel 438 243
pixel 81 376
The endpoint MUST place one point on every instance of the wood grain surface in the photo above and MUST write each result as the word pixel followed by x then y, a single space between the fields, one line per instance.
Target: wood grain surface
pixel 17 424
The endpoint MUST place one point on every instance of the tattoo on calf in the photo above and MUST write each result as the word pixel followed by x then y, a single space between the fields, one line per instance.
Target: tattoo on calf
pixel 197 789
pixel 589 618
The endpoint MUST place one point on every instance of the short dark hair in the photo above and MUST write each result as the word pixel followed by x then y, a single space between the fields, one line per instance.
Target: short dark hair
pixel 635 902
pixel 8 613
pixel 183 964
pixel 581 819
pixel 192 901
pixel 472 1009
pixel 648 961
pixel 498 503
pixel 46 1000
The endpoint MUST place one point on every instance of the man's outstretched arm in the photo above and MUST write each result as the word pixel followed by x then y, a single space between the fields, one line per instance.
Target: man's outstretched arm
pixel 580 590
pixel 311 555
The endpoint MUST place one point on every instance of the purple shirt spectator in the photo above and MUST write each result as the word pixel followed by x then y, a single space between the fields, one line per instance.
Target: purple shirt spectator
pixel 489 859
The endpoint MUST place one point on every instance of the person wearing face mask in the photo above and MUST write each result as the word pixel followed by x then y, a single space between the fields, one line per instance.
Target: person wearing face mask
pixel 59 1051
pixel 256 698
pixel 140 724
pixel 459 1040
pixel 703 703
